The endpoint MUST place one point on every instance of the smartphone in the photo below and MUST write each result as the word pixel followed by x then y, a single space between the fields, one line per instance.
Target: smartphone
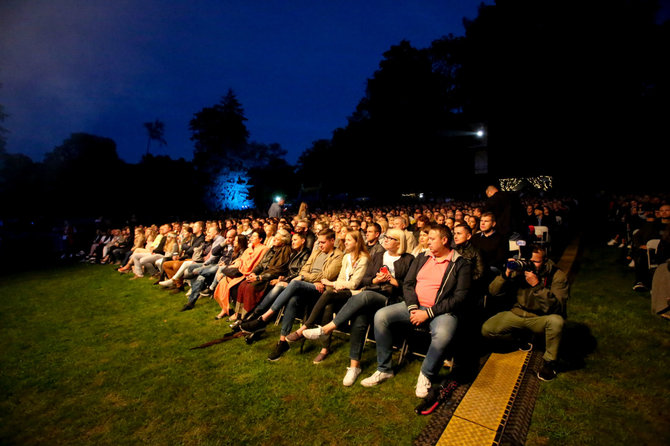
pixel 384 270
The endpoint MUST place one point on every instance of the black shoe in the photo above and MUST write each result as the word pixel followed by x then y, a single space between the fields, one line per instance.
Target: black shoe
pixel 253 326
pixel 280 348
pixel 187 307
pixel 235 326
pixel 436 396
pixel 547 372
pixel 251 316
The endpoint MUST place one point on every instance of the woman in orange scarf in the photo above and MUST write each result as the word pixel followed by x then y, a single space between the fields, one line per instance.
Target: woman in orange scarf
pixel 245 265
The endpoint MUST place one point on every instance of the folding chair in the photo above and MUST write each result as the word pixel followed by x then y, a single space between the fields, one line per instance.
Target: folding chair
pixel 652 245
pixel 543 233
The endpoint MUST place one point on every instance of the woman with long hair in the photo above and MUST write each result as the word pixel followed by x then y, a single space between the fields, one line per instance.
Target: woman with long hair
pixel 422 246
pixel 382 284
pixel 354 266
pixel 144 237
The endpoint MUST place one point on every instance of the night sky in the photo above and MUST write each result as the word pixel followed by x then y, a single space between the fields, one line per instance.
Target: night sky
pixel 105 67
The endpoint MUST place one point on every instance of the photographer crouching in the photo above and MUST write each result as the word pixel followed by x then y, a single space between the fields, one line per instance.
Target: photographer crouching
pixel 542 293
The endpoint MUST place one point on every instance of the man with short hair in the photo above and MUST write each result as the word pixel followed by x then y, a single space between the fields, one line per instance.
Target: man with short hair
pixel 205 274
pixel 435 291
pixel 276 208
pixel 302 227
pixel 400 222
pixel 490 243
pixel 372 233
pixel 323 263
pixel 542 292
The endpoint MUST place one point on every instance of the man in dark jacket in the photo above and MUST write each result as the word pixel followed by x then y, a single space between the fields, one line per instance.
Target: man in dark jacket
pixel 435 290
pixel 541 298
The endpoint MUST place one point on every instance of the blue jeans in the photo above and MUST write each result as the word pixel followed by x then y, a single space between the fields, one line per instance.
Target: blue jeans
pixel 295 295
pixel 442 329
pixel 359 309
pixel 269 298
pixel 205 277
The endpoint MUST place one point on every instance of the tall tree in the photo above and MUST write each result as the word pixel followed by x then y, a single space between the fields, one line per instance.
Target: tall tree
pixel 220 135
pixel 155 132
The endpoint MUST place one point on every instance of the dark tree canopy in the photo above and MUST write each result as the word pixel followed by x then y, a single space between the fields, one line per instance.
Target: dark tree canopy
pixel 220 135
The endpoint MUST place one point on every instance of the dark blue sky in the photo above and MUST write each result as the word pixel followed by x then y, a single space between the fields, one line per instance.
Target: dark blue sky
pixel 105 67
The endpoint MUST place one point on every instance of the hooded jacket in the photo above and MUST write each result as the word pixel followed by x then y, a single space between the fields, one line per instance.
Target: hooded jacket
pixel 453 293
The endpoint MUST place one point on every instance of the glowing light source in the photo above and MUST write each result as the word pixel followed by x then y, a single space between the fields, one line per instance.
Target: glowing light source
pixel 543 183
pixel 230 191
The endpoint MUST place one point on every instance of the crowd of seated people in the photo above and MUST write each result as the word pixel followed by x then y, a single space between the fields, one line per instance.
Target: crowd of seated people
pixel 640 226
pixel 379 269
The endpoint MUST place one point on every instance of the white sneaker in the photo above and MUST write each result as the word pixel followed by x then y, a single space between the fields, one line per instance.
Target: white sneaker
pixel 350 377
pixel 376 378
pixel 168 282
pixel 314 333
pixel 422 386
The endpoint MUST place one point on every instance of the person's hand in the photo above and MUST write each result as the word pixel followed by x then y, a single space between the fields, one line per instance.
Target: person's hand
pixel 531 278
pixel 418 317
pixel 381 277
pixel 320 287
pixel 274 282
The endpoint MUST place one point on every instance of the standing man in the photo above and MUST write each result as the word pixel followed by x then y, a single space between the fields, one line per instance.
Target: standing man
pixel 542 293
pixel 435 291
pixel 276 209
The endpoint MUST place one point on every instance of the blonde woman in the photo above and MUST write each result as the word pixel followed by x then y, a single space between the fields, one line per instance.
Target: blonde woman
pixel 423 241
pixel 144 238
pixel 354 266
pixel 383 284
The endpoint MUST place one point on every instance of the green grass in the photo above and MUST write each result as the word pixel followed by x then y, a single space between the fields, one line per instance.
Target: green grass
pixel 621 394
pixel 89 357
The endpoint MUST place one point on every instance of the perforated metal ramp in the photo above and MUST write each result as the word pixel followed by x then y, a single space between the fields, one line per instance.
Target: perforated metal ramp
pixel 483 411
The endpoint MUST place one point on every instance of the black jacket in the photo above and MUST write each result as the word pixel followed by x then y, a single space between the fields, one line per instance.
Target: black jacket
pixel 454 289
pixel 401 268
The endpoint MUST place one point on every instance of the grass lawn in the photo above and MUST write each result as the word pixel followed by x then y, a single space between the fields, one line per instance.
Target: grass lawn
pixel 620 395
pixel 87 356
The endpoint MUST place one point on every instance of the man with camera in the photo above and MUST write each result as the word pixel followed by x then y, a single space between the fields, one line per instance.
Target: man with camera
pixel 542 292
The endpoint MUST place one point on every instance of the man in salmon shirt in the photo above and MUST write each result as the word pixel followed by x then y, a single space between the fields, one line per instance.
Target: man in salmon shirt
pixel 435 291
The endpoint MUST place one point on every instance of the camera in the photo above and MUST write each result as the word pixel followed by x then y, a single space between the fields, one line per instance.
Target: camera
pixel 521 265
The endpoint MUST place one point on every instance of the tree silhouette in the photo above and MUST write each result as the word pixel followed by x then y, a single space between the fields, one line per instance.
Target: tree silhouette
pixel 220 135
pixel 155 131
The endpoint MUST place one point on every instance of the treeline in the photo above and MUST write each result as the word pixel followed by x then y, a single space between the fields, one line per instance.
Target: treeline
pixel 574 90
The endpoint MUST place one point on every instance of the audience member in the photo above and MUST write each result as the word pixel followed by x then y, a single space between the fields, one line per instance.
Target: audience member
pixel 542 293
pixel 434 291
